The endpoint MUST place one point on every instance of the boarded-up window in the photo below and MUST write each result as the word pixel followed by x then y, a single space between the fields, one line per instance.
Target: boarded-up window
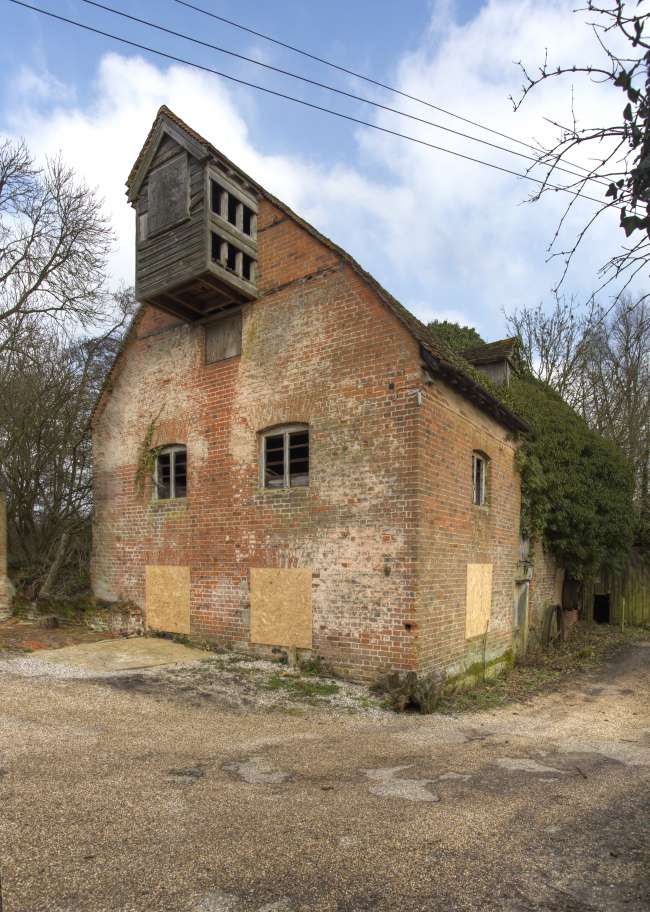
pixel 223 338
pixel 168 195
pixel 281 612
pixel 167 599
pixel 479 599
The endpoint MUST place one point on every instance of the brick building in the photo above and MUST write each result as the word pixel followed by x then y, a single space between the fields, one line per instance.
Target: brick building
pixel 286 457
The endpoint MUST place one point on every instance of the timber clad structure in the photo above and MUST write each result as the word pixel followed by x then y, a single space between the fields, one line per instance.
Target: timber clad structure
pixel 284 456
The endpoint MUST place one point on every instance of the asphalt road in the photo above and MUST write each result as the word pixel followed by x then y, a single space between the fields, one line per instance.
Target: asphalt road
pixel 115 798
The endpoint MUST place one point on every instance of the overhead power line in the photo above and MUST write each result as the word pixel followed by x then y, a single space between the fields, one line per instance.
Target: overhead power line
pixel 301 101
pixel 330 88
pixel 368 79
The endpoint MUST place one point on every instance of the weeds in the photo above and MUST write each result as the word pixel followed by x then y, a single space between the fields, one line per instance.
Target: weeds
pixel 588 646
pixel 298 687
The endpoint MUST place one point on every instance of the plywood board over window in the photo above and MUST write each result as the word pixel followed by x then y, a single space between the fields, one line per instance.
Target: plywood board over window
pixel 167 598
pixel 281 612
pixel 479 599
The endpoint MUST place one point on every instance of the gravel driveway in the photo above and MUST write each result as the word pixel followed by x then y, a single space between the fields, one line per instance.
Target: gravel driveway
pixel 118 796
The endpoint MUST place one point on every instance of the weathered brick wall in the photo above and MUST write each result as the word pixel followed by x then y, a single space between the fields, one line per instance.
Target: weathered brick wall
pixel 318 348
pixel 4 580
pixel 545 587
pixel 387 525
pixel 454 532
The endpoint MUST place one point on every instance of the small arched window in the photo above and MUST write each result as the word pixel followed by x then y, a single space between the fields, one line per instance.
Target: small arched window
pixel 170 475
pixel 285 457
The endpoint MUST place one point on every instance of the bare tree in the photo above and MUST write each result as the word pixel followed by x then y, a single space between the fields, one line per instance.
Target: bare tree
pixel 48 387
pixel 619 172
pixel 599 362
pixel 554 344
pixel 54 243
pixel 618 375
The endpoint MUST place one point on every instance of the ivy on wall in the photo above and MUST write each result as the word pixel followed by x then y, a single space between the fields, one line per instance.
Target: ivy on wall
pixel 147 456
pixel 577 487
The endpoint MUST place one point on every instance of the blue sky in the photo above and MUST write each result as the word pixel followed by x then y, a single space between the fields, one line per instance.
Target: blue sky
pixel 449 238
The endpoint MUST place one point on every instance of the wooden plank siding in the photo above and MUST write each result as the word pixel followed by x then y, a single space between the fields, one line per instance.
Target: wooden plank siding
pixel 629 593
pixel 173 256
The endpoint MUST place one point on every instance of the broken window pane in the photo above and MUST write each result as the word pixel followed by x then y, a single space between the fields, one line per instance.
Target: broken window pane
pixel 479 464
pixel 286 459
pixel 180 473
pixel 247 226
pixel 299 459
pixel 163 476
pixel 274 461
pixel 171 473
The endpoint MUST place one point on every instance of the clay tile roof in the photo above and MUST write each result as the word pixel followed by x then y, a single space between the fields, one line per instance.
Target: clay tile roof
pixel 490 352
pixel 438 357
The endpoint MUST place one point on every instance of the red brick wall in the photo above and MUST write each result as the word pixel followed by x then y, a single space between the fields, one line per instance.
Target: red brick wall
pixel 545 587
pixel 387 524
pixel 318 347
pixel 455 533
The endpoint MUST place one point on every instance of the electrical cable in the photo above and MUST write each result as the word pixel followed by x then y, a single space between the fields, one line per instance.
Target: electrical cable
pixel 329 88
pixel 305 103
pixel 375 82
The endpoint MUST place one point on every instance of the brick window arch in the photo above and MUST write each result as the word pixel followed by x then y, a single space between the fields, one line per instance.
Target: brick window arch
pixel 285 457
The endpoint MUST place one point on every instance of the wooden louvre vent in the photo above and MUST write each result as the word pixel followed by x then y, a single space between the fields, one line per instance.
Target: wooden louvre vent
pixel 196 227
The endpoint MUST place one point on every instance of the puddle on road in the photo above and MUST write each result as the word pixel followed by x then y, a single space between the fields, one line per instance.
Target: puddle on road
pixel 256 771
pixel 388 786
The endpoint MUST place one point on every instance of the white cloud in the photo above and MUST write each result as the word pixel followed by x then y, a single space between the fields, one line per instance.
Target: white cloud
pixel 447 236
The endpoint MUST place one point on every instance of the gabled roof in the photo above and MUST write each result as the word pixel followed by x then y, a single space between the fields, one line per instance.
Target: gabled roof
pixel 438 357
pixel 492 352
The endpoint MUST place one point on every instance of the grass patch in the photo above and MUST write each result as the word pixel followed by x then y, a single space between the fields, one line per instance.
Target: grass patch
pixel 587 648
pixel 297 687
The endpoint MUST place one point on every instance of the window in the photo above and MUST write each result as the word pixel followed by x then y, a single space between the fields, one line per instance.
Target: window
pixel 228 207
pixel 285 458
pixel 479 479
pixel 233 243
pixel 171 473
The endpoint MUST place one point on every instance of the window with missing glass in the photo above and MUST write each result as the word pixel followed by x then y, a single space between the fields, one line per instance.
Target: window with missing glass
pixel 170 475
pixel 479 479
pixel 285 457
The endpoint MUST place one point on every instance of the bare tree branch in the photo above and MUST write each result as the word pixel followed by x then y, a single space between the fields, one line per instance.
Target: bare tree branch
pixel 54 243
pixel 622 149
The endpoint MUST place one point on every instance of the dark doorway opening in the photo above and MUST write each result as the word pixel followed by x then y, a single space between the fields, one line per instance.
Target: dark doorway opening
pixel 601 609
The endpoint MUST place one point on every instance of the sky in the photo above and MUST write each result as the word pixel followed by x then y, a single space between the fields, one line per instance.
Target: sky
pixel 450 238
